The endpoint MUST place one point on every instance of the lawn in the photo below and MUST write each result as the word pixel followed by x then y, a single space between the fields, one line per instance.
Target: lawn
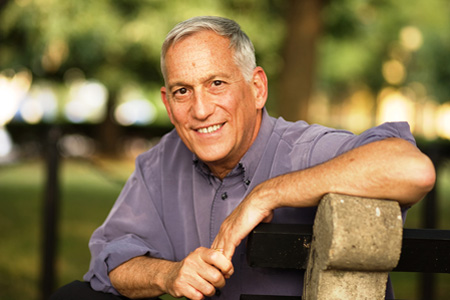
pixel 87 192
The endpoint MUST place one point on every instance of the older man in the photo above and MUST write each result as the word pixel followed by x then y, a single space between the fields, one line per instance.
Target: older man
pixel 178 225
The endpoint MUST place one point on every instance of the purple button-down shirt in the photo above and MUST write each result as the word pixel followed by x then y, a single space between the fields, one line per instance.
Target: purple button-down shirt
pixel 172 204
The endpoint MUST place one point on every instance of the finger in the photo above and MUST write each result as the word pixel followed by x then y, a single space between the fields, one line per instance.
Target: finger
pixel 187 286
pixel 226 243
pixel 226 272
pixel 219 261
pixel 210 279
pixel 210 266
pixel 228 251
pixel 192 294
pixel 269 218
pixel 205 287
pixel 197 278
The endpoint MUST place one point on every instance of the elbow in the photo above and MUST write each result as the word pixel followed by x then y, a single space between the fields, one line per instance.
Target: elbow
pixel 427 175
pixel 423 177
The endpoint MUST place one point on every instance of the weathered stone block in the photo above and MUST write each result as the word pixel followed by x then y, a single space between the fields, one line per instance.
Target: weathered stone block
pixel 337 284
pixel 356 242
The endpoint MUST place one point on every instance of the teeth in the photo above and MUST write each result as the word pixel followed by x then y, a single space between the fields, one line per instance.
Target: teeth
pixel 209 129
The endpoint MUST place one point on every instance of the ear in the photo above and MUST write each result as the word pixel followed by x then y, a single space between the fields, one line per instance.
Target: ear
pixel 260 87
pixel 166 103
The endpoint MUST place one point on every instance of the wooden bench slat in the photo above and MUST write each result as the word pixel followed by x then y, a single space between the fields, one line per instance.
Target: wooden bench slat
pixel 287 246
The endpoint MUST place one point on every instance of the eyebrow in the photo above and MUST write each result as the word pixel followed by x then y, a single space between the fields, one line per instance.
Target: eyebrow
pixel 206 79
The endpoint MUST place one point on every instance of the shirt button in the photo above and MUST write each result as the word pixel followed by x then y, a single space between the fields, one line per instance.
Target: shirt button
pixel 247 182
pixel 224 196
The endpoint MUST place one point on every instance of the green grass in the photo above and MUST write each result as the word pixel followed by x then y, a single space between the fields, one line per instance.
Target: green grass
pixel 86 197
pixel 87 194
pixel 20 188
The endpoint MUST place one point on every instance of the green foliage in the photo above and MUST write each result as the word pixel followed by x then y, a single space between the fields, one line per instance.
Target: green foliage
pixel 360 35
pixel 118 42
pixel 113 41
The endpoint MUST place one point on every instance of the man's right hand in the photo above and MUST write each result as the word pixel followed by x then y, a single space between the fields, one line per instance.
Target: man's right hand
pixel 196 276
pixel 199 274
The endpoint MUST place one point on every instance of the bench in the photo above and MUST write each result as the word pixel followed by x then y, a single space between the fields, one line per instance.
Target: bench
pixel 290 245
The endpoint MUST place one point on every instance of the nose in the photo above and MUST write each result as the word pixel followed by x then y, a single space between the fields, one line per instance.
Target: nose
pixel 202 106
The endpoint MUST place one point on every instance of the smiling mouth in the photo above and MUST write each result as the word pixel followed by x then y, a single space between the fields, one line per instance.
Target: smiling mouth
pixel 210 129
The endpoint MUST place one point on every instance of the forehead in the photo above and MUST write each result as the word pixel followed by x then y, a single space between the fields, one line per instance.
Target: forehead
pixel 200 52
pixel 204 38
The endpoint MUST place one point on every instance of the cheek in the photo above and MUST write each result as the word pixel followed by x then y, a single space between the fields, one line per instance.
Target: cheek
pixel 178 115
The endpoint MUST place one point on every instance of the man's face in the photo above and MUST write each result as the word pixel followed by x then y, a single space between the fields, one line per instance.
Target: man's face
pixel 215 111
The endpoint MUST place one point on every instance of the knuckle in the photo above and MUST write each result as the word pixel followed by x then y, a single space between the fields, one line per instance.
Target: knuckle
pixel 175 291
pixel 210 291
pixel 213 255
pixel 216 277
pixel 198 251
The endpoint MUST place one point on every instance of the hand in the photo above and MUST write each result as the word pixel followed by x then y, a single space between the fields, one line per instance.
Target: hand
pixel 199 274
pixel 257 207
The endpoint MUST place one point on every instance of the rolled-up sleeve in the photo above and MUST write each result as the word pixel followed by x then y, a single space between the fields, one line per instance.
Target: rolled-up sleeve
pixel 331 143
pixel 133 228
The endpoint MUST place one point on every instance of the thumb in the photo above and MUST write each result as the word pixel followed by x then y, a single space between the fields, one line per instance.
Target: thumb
pixel 269 218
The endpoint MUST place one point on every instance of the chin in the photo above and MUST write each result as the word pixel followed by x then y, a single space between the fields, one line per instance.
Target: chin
pixel 210 158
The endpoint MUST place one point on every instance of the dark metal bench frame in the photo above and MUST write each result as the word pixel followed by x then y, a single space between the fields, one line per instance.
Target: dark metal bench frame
pixel 287 246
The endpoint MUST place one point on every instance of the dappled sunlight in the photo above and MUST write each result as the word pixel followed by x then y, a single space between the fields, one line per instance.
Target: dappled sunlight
pixel 426 125
pixel 40 104
pixel 394 106
pixel 411 38
pixel 357 112
pixel 443 121
pixel 55 54
pixel 86 102
pixel 6 145
pixel 403 96
pixel 13 88
pixel 394 72
pixel 135 112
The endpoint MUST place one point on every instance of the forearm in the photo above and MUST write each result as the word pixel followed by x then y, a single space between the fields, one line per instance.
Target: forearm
pixel 141 277
pixel 196 276
pixel 389 169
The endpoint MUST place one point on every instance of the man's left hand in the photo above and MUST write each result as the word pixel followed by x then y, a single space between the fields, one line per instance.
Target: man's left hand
pixel 249 213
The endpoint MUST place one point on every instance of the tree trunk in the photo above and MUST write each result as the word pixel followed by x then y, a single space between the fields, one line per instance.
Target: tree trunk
pixel 109 131
pixel 297 77
pixel 3 4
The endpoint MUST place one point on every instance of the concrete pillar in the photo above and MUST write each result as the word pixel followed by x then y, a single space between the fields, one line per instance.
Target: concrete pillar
pixel 356 242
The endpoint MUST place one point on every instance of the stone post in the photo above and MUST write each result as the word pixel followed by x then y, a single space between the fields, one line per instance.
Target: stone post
pixel 356 242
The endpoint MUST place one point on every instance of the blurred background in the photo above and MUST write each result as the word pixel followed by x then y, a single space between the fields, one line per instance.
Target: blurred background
pixel 79 100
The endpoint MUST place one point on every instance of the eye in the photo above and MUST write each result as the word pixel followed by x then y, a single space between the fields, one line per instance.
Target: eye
pixel 181 94
pixel 217 82
pixel 181 91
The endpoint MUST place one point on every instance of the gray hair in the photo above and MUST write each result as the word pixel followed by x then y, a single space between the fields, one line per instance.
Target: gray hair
pixel 244 52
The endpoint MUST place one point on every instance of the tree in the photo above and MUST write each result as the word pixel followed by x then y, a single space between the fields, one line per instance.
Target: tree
pixel 300 51
pixel 116 42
